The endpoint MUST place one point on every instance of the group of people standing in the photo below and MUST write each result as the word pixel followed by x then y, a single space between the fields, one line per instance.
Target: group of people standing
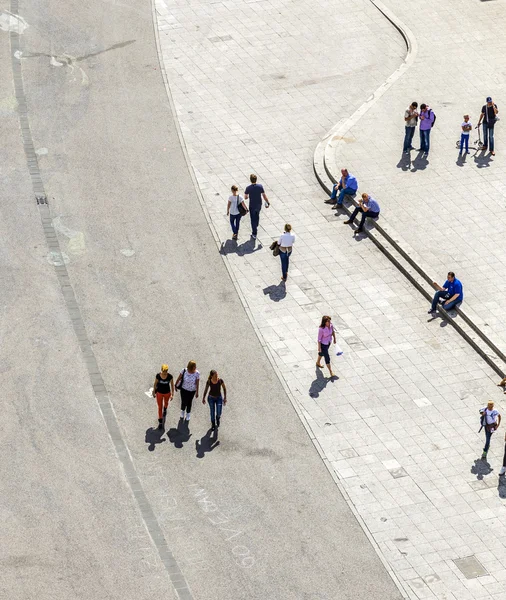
pixel 426 118
pixel 188 384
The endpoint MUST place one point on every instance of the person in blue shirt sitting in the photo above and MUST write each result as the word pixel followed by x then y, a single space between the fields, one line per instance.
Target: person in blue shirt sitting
pixel 452 293
pixel 347 186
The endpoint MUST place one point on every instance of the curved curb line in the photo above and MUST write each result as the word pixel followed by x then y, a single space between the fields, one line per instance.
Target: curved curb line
pixel 333 139
pixel 397 582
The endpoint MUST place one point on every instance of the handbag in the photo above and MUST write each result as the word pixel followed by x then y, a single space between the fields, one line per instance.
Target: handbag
pixel 240 207
pixel 275 248
pixel 180 385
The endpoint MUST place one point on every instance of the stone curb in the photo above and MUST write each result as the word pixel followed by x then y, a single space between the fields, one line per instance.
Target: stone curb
pixel 389 242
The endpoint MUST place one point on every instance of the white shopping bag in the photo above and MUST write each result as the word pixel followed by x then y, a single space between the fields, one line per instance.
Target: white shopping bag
pixel 339 352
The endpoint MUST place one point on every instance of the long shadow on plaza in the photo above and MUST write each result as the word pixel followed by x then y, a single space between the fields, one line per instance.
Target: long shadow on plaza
pixel 154 437
pixel 180 435
pixel 320 383
pixel 207 443
pixel 482 160
pixel 276 292
pixel 481 468
pixel 232 247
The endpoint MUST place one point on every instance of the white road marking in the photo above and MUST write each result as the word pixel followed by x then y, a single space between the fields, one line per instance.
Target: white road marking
pixel 10 22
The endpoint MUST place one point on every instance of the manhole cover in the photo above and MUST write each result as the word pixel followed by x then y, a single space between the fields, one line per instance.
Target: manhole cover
pixel 471 567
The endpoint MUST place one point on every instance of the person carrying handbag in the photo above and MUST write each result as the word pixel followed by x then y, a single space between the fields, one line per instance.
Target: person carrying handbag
pixel 188 384
pixel 236 209
pixel 285 243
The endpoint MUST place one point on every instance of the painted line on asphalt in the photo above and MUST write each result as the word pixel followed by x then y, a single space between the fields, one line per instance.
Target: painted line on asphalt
pixel 397 582
pixel 177 579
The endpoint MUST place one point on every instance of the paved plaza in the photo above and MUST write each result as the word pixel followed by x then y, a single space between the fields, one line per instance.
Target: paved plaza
pixel 256 86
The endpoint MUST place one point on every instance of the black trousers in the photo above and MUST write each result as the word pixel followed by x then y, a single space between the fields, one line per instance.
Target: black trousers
pixel 186 400
pixel 369 213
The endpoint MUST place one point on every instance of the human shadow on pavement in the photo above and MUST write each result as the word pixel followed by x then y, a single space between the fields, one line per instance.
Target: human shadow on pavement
pixel 232 247
pixel 154 437
pixel 276 292
pixel 481 468
pixel 207 443
pixel 461 159
pixel 501 486
pixel 420 163
pixel 320 383
pixel 404 162
pixel 482 160
pixel 180 435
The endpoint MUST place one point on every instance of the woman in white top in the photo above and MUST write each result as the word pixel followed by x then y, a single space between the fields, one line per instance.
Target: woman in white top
pixel 188 384
pixel 234 201
pixel 286 242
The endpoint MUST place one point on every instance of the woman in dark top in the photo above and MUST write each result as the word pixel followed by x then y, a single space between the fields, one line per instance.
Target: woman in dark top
pixel 216 401
pixel 163 391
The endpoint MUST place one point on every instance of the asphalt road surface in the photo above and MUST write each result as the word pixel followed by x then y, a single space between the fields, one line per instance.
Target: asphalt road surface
pixel 252 513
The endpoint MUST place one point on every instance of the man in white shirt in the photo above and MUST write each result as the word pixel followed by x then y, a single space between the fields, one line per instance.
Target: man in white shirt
pixel 491 419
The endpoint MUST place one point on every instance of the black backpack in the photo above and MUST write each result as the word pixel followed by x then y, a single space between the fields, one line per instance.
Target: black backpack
pixel 433 122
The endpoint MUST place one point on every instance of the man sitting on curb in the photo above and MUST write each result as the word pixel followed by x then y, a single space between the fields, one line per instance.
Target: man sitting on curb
pixel 347 186
pixel 452 293
pixel 368 207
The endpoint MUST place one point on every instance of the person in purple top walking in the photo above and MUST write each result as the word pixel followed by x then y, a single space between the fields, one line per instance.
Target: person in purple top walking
pixel 326 334
pixel 427 120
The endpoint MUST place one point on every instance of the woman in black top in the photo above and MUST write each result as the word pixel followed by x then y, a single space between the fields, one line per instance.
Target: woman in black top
pixel 215 399
pixel 163 391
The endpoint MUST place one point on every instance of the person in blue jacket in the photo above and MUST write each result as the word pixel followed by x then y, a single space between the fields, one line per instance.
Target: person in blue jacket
pixel 451 292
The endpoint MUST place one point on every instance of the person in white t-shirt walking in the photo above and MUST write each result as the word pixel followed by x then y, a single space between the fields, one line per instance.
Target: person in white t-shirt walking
pixel 464 136
pixel 491 419
pixel 234 207
pixel 286 242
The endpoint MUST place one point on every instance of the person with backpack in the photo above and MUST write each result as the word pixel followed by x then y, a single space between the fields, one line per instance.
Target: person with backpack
pixel 490 421
pixel 236 209
pixel 188 384
pixel 427 120
pixel 163 391
pixel 488 117
pixel 216 401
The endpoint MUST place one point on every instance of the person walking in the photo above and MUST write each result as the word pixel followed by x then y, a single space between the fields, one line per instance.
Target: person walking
pixel 234 202
pixel 326 334
pixel 427 119
pixel 347 186
pixel 464 136
pixel 216 401
pixel 163 391
pixel 451 291
pixel 368 207
pixel 410 122
pixel 489 117
pixel 491 419
pixel 188 384
pixel 255 193
pixel 503 468
pixel 285 243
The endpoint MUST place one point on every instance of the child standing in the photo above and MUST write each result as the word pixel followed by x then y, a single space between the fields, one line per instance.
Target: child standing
pixel 464 138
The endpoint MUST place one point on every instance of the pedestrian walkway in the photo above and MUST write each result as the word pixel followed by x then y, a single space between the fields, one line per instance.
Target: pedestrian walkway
pixel 256 86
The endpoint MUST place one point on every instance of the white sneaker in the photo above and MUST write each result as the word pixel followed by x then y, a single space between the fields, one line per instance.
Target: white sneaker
pixel 502 471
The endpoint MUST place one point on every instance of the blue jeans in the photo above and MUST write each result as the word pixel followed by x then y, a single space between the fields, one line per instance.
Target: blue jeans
pixel 215 406
pixel 234 223
pixel 254 215
pixel 443 294
pixel 488 437
pixel 488 136
pixel 408 138
pixel 342 193
pixel 285 261
pixel 425 140
pixel 464 141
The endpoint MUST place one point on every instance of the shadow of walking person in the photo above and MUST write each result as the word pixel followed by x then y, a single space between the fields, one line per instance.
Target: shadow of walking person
pixel 481 468
pixel 232 247
pixel 501 487
pixel 180 435
pixel 320 383
pixel 154 437
pixel 207 443
pixel 276 292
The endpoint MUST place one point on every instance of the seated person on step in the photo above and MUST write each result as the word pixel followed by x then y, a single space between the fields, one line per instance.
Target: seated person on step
pixel 347 186
pixel 452 293
pixel 368 207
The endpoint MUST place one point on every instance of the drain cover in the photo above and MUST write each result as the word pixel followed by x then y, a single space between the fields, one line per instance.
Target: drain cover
pixel 471 567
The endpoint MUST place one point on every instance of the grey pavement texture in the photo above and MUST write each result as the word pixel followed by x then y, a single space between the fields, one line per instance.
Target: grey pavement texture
pixel 400 424
pixel 256 516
